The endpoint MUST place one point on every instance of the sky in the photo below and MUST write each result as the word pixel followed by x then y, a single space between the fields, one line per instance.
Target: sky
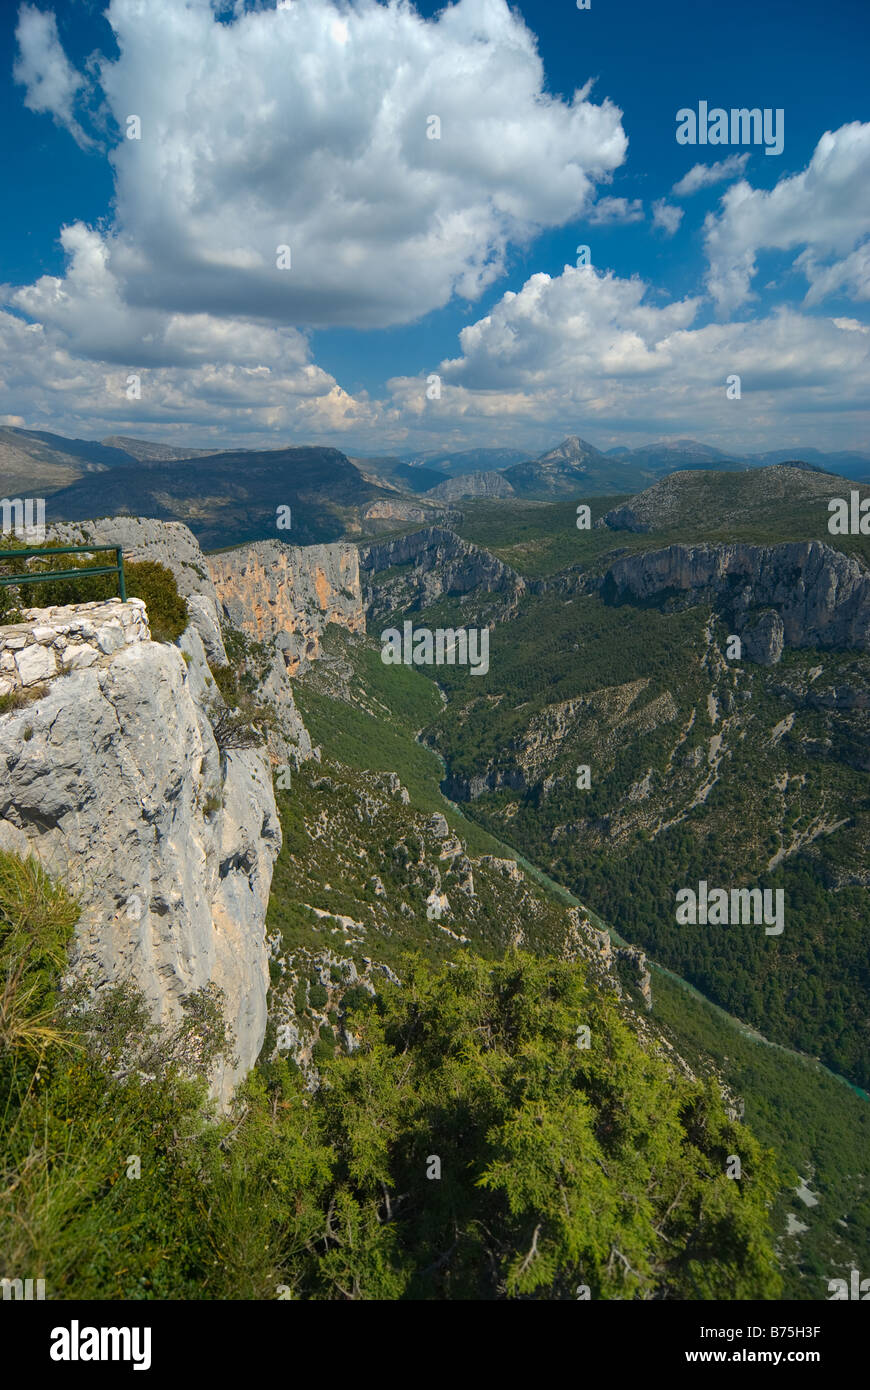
pixel 360 224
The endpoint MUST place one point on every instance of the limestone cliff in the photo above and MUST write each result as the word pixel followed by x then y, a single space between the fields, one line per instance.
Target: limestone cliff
pixel 112 777
pixel 818 596
pixel 798 594
pixel 172 544
pixel 479 484
pixel 428 564
pixel 388 513
pixel 289 593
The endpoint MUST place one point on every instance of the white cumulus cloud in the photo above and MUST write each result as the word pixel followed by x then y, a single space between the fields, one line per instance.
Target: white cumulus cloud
pixel 706 175
pixel 309 127
pixel 825 209
pixel 615 210
pixel 214 396
pixel 666 217
pixel 42 67
pixel 584 351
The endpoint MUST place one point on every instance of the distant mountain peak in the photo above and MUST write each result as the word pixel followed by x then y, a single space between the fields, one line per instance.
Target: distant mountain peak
pixel 571 449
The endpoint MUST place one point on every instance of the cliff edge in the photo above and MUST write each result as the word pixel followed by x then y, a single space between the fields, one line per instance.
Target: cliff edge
pixel 111 775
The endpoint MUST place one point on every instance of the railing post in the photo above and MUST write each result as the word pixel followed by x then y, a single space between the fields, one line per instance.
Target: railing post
pixel 47 576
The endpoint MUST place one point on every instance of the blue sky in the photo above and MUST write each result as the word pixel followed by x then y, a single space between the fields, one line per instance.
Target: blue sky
pixel 307 128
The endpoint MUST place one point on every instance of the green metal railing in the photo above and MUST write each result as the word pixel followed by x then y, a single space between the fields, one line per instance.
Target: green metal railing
pixel 47 576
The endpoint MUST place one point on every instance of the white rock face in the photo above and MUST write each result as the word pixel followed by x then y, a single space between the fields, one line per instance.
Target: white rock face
pixel 204 616
pixel 324 586
pixel 52 641
pixel 114 780
pixel 35 664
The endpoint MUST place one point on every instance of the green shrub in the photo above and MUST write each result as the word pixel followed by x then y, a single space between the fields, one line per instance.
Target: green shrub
pixel 355 999
pixel 238 722
pixel 10 610
pixel 553 1159
pixel 233 728
pixel 227 683
pixel 156 586
pixel 317 994
pixel 37 918
pixel 558 1165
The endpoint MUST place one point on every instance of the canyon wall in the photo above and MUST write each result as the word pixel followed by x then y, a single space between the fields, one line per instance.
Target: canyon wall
pixel 112 778
pixel 814 596
pixel 288 594
pixel 430 564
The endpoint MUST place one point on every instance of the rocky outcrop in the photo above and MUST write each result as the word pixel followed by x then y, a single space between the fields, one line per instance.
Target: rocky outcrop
pixel 636 959
pixel 625 518
pixel 388 513
pixel 289 594
pixel 55 641
pixel 508 868
pixel 435 562
pixel 594 945
pixel 820 596
pixel 471 485
pixel 461 788
pixel 289 741
pixel 764 638
pixel 204 617
pixel 169 543
pixel 112 777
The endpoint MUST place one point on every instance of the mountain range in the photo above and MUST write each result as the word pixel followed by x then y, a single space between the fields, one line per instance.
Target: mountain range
pixel 225 497
pixel 230 495
pixel 575 466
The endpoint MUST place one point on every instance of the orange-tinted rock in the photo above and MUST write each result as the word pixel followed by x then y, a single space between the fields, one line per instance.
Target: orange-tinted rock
pixel 290 593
